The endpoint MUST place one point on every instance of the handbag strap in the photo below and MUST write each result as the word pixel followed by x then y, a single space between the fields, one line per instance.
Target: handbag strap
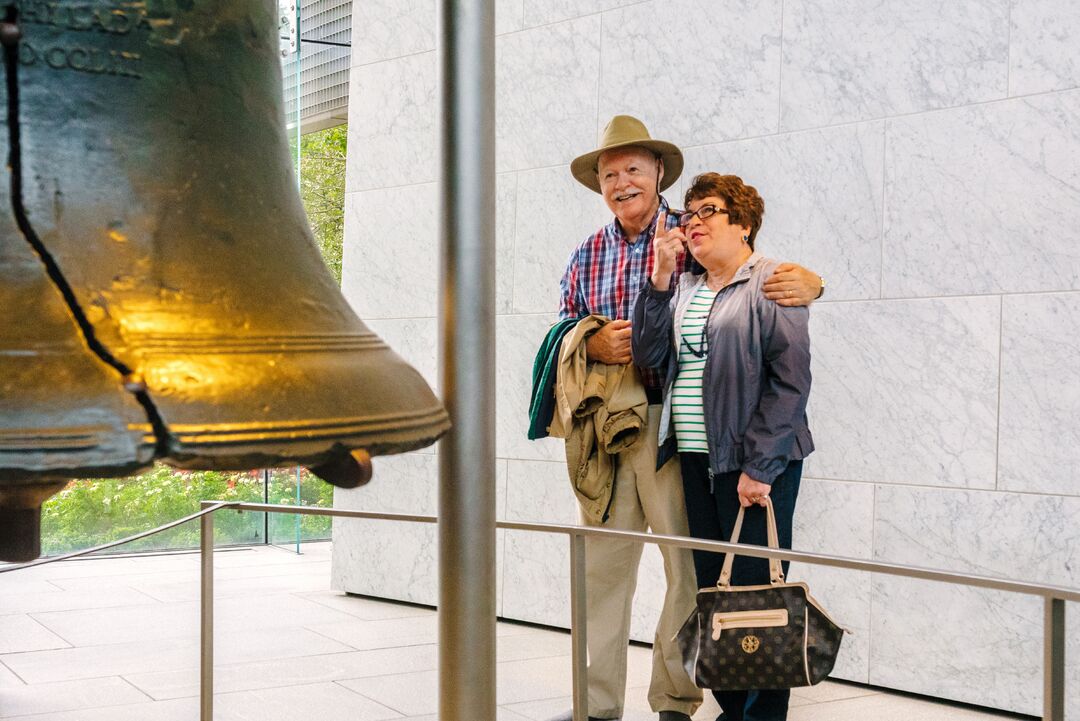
pixel 776 571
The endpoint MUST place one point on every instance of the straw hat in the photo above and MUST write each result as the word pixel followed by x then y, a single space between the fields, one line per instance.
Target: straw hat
pixel 625 131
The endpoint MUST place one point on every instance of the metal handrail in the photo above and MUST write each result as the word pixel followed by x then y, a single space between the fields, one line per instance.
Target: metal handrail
pixel 112 544
pixel 1054 596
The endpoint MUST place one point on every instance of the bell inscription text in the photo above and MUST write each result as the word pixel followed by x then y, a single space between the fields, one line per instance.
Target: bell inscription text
pixel 98 23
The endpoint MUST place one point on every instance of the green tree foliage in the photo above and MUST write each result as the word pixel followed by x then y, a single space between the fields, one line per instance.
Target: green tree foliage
pixel 88 513
pixel 322 188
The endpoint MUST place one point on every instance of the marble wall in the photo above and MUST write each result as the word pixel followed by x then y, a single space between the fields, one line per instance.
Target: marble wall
pixel 923 156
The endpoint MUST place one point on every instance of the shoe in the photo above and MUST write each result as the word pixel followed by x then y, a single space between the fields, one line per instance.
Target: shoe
pixel 673 716
pixel 569 716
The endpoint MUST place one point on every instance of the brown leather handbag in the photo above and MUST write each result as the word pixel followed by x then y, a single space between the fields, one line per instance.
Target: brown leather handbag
pixel 774 636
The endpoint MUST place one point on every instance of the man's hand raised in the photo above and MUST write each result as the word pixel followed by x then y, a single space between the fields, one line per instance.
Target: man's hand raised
pixel 667 244
pixel 610 344
pixel 792 284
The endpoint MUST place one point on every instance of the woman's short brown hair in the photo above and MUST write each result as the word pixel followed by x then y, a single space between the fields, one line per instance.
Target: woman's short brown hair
pixel 744 206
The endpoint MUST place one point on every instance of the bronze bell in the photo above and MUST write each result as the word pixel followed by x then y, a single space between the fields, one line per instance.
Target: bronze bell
pixel 60 405
pixel 150 181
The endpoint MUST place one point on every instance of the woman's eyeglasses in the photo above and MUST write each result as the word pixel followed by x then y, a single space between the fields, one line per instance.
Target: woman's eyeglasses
pixel 705 211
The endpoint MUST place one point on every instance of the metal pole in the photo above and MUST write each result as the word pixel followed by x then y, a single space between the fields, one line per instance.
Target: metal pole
pixel 1054 660
pixel 266 499
pixel 466 181
pixel 296 518
pixel 206 609
pixel 578 630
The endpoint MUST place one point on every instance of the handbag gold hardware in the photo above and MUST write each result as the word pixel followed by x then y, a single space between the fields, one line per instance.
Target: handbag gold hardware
pixel 751 643
pixel 748 619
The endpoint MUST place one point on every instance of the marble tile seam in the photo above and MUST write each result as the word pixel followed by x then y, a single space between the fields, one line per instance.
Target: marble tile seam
pixel 393 58
pixel 932 111
pixel 82 707
pixel 884 205
pixel 938 296
pixel 416 184
pixel 513 237
pixel 780 75
pixel 1000 393
pixel 12 671
pixel 940 489
pixel 42 624
pixel 134 686
pixel 599 79
pixel 339 684
pixel 550 23
pixel 378 645
pixel 525 28
pixel 1009 53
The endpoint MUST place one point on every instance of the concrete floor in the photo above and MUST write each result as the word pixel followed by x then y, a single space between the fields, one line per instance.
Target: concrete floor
pixel 117 640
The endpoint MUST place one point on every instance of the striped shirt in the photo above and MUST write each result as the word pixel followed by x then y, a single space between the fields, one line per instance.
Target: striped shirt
pixel 606 271
pixel 686 403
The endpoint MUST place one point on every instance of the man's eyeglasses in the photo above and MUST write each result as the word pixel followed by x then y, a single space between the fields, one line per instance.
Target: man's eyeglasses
pixel 705 211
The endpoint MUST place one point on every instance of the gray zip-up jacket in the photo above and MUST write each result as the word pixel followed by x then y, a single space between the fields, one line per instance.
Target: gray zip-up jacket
pixel 757 372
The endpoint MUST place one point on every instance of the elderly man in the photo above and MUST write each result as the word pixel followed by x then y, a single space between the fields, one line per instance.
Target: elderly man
pixel 603 276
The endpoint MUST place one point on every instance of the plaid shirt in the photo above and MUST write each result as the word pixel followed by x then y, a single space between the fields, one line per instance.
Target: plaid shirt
pixel 606 272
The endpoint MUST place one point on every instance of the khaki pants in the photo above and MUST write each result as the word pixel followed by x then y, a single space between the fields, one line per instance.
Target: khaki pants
pixel 644 498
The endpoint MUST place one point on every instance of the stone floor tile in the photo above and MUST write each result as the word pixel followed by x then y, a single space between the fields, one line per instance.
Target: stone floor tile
pixel 386 633
pixel 60 600
pixel 637 706
pixel 96 661
pixel 638 665
pixel 288 571
pixel 180 710
pixel 828 691
pixel 289 671
pixel 890 707
pixel 408 631
pixel 146 622
pixel 249 646
pixel 102 567
pixel 318 702
pixel 122 659
pixel 20 633
pixel 271 556
pixel 546 708
pixel 416 694
pixel 369 609
pixel 8 677
pixel 501 714
pixel 296 581
pixel 144 582
pixel 541 709
pixel 538 644
pixel 156 620
pixel 67 696
pixel 14 583
pixel 410 694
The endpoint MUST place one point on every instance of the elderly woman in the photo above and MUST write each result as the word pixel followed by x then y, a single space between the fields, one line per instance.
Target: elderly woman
pixel 738 376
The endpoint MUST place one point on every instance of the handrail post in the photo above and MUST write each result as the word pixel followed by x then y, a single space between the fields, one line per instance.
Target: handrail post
pixel 1054 660
pixel 206 610
pixel 578 630
pixel 467 468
